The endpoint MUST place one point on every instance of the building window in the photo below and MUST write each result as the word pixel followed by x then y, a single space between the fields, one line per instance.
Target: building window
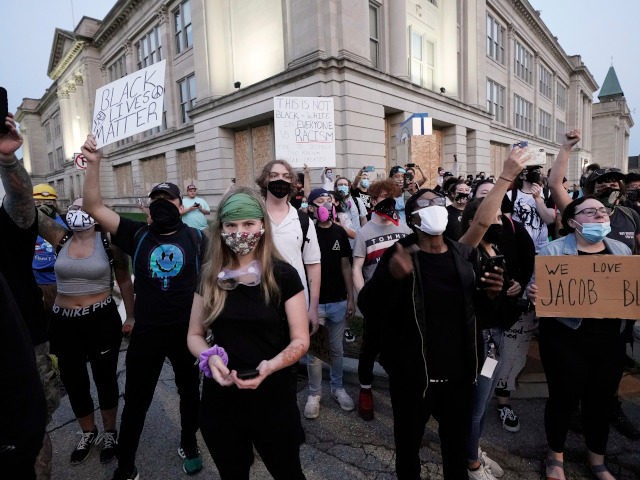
pixel 47 131
pixel 59 157
pixel 52 165
pixel 561 96
pixel 124 180
pixel 544 124
pixel 187 96
pixel 423 62
pixel 495 40
pixel 182 24
pixel 374 34
pixel 522 113
pixel 544 82
pixel 56 126
pixel 523 63
pixel 187 168
pixel 560 131
pixel 149 48
pixel 495 100
pixel 154 171
pixel 118 68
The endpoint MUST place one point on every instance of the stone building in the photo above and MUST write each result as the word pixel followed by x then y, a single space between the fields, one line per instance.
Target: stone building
pixel 487 72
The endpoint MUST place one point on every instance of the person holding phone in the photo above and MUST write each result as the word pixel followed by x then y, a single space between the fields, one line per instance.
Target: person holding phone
pixel 253 303
pixel 194 209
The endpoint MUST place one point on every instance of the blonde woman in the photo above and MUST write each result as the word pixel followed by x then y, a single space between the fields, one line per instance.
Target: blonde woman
pixel 254 306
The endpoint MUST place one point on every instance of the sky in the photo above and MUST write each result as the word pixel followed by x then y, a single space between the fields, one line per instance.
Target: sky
pixel 597 31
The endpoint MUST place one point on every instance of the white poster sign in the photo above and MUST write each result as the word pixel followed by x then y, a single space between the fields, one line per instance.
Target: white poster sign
pixel 129 105
pixel 305 131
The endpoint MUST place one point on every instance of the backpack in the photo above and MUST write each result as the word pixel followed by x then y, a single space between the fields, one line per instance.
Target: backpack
pixel 304 224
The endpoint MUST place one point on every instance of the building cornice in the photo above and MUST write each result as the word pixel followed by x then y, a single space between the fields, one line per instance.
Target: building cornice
pixel 69 57
pixel 114 22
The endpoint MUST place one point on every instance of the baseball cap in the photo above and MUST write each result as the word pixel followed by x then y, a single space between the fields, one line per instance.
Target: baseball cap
pixel 396 169
pixel 447 174
pixel 316 193
pixel 632 176
pixel 191 187
pixel 170 189
pixel 609 173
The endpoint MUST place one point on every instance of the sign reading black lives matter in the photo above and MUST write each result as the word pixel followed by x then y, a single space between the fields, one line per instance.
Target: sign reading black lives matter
pixel 129 105
pixel 305 131
pixel 588 286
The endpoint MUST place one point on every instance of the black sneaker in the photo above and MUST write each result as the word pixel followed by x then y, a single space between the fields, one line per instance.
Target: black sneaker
pixel 509 419
pixel 109 445
pixel 120 475
pixel 83 449
pixel 622 423
pixel 191 460
pixel 349 337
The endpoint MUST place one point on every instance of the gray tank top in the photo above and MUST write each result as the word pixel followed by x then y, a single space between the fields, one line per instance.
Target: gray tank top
pixel 83 276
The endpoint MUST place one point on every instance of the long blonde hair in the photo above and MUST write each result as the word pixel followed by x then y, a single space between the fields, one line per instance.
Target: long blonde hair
pixel 220 256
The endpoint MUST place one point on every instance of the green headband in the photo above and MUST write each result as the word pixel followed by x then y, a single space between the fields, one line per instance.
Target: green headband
pixel 240 206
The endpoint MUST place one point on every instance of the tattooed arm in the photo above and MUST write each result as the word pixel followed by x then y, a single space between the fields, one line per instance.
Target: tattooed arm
pixel 49 229
pixel 18 201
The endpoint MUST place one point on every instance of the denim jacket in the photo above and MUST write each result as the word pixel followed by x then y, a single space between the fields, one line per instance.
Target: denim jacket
pixel 568 246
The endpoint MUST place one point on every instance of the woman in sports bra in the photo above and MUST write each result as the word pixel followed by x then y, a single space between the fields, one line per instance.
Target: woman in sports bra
pixel 86 325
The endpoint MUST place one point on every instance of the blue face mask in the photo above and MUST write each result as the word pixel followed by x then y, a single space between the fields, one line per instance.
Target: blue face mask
pixel 364 183
pixel 304 205
pixel 344 189
pixel 595 232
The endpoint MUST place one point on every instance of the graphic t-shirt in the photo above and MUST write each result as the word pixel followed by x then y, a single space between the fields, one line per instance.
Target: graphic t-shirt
pixel 166 268
pixel 625 225
pixel 372 241
pixel 366 200
pixel 334 246
pixel 525 211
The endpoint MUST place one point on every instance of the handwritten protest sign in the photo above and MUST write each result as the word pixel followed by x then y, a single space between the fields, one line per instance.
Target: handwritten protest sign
pixel 588 286
pixel 305 131
pixel 129 105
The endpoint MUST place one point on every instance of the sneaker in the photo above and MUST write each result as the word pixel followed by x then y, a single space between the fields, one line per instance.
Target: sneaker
pixel 491 465
pixel 120 475
pixel 83 449
pixel 109 445
pixel 621 422
pixel 481 473
pixel 312 407
pixel 349 337
pixel 365 404
pixel 509 419
pixel 341 396
pixel 191 460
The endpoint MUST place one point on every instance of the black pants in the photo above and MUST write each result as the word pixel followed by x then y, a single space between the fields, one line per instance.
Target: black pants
pixel 145 358
pixel 450 405
pixel 94 334
pixel 369 350
pixel 233 421
pixel 582 366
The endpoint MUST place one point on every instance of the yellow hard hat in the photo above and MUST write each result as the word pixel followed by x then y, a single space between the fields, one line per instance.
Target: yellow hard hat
pixel 44 191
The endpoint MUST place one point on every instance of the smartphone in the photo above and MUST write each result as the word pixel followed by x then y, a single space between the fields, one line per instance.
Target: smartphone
pixel 411 165
pixel 522 144
pixel 140 202
pixel 370 168
pixel 196 204
pixel 488 264
pixel 248 374
pixel 4 110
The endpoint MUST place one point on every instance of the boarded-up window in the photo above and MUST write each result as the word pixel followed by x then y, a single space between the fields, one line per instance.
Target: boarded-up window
pixel 124 180
pixel 426 151
pixel 254 147
pixel 153 171
pixel 498 153
pixel 187 170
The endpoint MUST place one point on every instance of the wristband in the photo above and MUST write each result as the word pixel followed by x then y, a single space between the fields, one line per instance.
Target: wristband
pixel 506 179
pixel 204 359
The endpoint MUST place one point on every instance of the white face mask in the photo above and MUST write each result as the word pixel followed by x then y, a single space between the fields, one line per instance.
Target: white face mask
pixel 433 220
pixel 79 220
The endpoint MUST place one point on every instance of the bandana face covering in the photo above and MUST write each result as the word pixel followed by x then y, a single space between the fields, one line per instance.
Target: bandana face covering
pixel 79 220
pixel 433 220
pixel 242 243
pixel 279 188
pixel 387 209
pixel 533 176
pixel 608 196
pixel 165 216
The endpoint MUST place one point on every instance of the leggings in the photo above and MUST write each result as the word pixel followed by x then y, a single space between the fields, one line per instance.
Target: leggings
pixel 91 333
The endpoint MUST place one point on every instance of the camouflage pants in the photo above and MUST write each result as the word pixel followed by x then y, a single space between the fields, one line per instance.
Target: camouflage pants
pixel 51 385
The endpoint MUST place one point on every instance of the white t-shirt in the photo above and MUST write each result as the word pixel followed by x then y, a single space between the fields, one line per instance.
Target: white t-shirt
pixel 525 211
pixel 288 238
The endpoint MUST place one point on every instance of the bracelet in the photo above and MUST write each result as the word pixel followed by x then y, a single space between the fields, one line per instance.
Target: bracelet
pixel 506 179
pixel 204 359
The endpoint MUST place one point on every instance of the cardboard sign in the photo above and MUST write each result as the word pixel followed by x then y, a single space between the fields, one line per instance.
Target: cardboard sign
pixel 588 286
pixel 129 105
pixel 305 131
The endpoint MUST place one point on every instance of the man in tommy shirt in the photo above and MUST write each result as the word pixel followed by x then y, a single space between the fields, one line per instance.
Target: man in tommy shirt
pixel 384 229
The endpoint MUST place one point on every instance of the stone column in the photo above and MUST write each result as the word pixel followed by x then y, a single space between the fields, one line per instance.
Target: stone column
pixel 455 143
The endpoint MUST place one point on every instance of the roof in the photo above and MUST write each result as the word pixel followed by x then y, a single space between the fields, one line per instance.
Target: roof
pixel 611 86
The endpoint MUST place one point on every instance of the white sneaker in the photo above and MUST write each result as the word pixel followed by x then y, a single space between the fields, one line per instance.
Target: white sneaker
pixel 344 400
pixel 482 473
pixel 312 407
pixel 495 469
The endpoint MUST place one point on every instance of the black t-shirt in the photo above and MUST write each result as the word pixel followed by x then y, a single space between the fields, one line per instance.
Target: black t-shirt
pixel 334 246
pixel 17 245
pixel 625 225
pixel 444 315
pixel 166 269
pixel 366 199
pixel 454 225
pixel 250 330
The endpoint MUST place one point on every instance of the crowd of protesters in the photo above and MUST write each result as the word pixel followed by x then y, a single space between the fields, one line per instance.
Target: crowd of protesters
pixel 440 271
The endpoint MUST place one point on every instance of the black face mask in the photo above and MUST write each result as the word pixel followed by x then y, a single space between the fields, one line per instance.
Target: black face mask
pixel 493 233
pixel 165 215
pixel 461 197
pixel 279 188
pixel 533 176
pixel 49 210
pixel 608 196
pixel 633 195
